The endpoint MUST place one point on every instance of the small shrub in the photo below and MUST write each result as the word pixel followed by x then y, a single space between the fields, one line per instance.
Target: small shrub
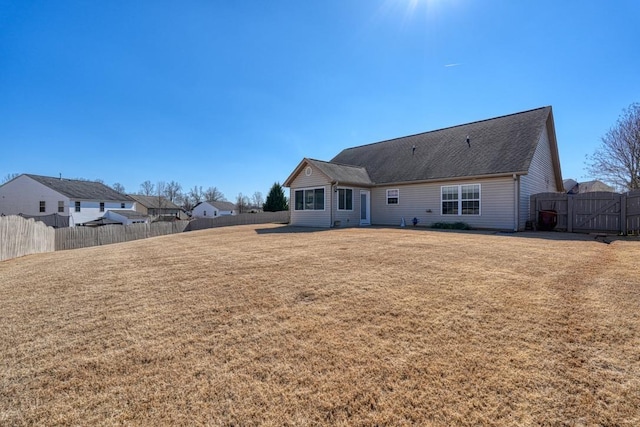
pixel 451 225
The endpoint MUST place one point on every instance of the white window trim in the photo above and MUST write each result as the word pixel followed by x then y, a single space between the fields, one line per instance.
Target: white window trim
pixel 324 205
pixel 345 202
pixel 459 186
pixel 387 196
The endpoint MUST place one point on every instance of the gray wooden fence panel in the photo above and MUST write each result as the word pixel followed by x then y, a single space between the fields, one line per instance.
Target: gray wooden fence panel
pixel 83 237
pixel 281 217
pixel 590 212
pixel 596 212
pixel 556 202
pixel 20 236
pixel 633 212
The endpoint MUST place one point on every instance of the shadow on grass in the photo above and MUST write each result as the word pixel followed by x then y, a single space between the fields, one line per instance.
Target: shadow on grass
pixel 545 235
pixel 287 229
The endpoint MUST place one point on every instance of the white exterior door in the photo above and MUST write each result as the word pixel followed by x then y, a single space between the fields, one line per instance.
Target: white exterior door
pixel 365 207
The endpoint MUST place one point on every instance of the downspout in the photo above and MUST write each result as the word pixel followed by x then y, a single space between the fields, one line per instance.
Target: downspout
pixel 516 203
pixel 331 202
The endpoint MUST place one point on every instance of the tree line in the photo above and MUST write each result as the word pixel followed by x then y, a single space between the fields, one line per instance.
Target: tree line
pixel 172 191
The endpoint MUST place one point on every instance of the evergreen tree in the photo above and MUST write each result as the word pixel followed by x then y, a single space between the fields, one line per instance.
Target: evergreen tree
pixel 276 201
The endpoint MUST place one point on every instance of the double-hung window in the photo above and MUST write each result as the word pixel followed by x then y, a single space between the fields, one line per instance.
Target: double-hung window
pixel 393 196
pixel 461 199
pixel 101 206
pixel 345 199
pixel 311 199
pixel 77 206
pixel 43 206
pixel 60 206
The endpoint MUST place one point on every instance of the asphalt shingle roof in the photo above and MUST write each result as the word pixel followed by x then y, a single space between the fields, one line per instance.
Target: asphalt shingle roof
pixel 154 202
pixel 346 174
pixel 500 145
pixel 81 190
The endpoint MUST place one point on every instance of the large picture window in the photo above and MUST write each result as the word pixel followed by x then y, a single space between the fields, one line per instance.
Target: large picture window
pixel 345 199
pixel 461 199
pixel 309 200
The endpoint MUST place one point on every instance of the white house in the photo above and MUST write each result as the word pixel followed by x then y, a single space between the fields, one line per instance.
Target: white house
pixel 127 217
pixel 214 209
pixel 82 201
pixel 481 173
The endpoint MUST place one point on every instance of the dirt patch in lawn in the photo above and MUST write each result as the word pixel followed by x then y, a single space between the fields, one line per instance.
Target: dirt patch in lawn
pixel 247 326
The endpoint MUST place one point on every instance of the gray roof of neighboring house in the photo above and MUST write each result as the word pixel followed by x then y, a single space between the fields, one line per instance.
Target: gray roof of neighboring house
pixel 129 214
pixel 154 202
pixel 569 184
pixel 588 186
pixel 223 206
pixel 502 145
pixel 78 189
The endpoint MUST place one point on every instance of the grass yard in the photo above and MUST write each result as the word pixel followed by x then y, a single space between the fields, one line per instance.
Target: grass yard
pixel 264 325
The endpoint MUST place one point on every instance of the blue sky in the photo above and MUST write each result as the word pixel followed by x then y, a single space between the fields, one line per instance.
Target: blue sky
pixel 234 94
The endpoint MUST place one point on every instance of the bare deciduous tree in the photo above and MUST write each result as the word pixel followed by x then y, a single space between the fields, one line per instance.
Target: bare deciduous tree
pixel 257 200
pixel 161 188
pixel 118 187
pixel 213 194
pixel 173 191
pixel 147 188
pixel 8 177
pixel 242 202
pixel 617 160
pixel 196 194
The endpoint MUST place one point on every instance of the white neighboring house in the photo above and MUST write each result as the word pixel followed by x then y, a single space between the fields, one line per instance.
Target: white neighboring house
pixel 127 217
pixel 214 209
pixel 82 201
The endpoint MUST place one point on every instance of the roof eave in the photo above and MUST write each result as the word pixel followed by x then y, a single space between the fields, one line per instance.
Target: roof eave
pixel 456 178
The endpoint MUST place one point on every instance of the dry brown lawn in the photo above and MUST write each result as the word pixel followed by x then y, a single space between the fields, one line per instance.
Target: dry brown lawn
pixel 264 325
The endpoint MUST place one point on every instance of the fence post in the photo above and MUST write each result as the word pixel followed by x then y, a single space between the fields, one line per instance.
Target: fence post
pixel 569 213
pixel 623 213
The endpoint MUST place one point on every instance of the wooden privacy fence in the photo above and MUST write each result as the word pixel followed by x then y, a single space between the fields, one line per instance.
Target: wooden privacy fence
pixel 20 236
pixel 240 219
pixel 602 212
pixel 82 237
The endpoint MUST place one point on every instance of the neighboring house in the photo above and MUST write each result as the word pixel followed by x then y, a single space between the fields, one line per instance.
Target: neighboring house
pixel 214 209
pixel 158 207
pixel 571 186
pixel 82 201
pixel 126 217
pixel 482 173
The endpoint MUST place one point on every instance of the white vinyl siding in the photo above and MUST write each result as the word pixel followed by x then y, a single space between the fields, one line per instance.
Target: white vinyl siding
pixel 423 201
pixel 349 218
pixel 540 178
pixel 345 199
pixel 311 218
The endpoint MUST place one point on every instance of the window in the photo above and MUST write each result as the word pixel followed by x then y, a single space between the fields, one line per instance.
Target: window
pixel 43 206
pixel 77 204
pixel 461 199
pixel 309 200
pixel 60 206
pixel 121 205
pixel 345 199
pixel 393 196
pixel 101 206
